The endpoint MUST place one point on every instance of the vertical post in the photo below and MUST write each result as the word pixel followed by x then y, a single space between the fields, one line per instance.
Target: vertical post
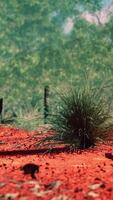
pixel 46 106
pixel 1 109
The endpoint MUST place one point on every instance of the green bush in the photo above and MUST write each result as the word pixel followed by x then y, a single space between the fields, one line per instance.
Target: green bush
pixel 83 116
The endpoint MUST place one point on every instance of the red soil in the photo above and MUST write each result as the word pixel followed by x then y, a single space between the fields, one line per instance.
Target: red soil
pixel 62 175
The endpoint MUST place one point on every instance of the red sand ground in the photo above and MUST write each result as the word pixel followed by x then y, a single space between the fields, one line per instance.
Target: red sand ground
pixel 62 175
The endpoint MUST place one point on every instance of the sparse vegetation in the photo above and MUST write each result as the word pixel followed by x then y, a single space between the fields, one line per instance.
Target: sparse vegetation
pixel 42 53
pixel 28 118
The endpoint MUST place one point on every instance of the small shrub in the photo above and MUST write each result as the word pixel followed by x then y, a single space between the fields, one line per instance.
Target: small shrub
pixel 83 116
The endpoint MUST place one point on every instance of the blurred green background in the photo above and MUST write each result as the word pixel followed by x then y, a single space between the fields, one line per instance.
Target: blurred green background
pixel 56 43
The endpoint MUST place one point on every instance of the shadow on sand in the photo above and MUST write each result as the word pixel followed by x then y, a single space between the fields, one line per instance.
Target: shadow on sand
pixel 36 151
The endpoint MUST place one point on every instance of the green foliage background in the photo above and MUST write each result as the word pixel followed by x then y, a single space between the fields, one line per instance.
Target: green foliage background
pixel 35 51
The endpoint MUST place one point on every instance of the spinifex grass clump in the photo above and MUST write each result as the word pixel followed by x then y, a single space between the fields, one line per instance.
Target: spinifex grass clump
pixel 82 117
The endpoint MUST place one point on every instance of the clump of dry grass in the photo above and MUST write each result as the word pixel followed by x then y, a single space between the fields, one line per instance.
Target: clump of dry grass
pixel 83 116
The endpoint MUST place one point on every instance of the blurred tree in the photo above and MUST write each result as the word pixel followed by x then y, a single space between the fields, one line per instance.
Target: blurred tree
pixel 36 50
